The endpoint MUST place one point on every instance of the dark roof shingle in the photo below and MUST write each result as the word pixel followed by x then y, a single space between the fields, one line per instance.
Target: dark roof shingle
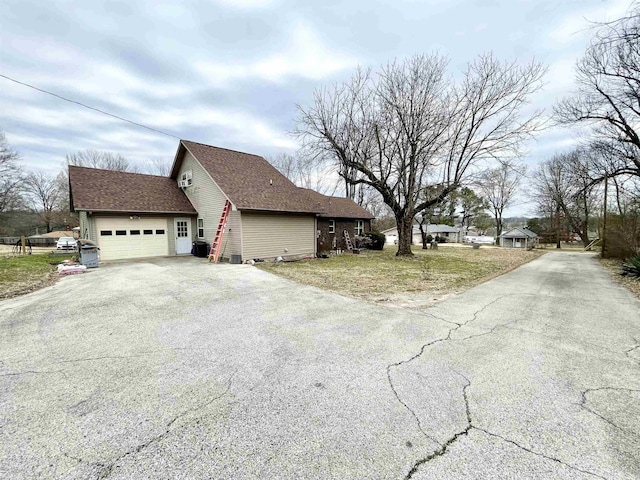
pixel 337 207
pixel 107 190
pixel 518 232
pixel 249 181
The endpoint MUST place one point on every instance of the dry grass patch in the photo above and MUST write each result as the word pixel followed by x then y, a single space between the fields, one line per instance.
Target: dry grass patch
pixel 422 279
pixel 614 267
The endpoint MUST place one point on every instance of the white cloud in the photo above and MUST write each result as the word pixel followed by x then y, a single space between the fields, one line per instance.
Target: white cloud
pixel 305 55
pixel 247 4
pixel 576 27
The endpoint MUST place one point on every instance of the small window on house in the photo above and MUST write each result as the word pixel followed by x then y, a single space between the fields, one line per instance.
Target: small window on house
pixel 134 232
pixel 200 228
pixel 187 177
pixel 121 232
pixel 160 232
pixel 105 233
pixel 148 232
pixel 359 227
pixel 332 226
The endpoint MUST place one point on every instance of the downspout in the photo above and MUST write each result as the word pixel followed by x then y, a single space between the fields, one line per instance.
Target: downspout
pixel 315 236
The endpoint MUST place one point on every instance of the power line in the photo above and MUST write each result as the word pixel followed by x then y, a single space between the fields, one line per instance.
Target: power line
pixel 87 106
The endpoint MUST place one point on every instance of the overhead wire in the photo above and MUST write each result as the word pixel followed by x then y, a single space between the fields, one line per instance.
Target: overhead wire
pixel 87 106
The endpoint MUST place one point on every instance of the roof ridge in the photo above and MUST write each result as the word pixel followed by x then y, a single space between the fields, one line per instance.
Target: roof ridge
pixel 224 148
pixel 118 171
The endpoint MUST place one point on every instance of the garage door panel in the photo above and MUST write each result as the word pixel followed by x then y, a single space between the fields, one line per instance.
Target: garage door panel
pixel 116 240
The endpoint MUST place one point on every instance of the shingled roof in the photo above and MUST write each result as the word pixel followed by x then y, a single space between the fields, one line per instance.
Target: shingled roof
pixel 518 232
pixel 107 190
pixel 337 207
pixel 249 181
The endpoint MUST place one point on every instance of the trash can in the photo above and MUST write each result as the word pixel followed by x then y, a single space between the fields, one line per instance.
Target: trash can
pixel 201 249
pixel 88 256
pixel 235 259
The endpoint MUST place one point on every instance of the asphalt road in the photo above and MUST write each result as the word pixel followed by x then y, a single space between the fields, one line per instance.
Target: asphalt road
pixel 181 369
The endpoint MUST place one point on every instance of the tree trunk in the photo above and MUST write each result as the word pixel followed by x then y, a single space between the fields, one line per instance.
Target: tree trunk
pixel 423 233
pixel 557 225
pixel 405 235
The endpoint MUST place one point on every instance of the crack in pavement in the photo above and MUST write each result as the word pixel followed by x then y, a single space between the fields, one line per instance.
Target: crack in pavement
pixel 635 347
pixel 559 337
pixel 444 446
pixel 533 452
pixel 106 469
pixel 419 354
pixel 107 357
pixel 584 400
pixel 470 426
pixel 28 372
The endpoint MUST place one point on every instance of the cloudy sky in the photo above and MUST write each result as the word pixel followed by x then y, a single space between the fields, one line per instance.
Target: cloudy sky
pixel 230 72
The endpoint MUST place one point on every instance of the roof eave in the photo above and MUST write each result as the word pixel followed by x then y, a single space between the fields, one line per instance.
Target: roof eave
pixel 252 209
pixel 161 212
pixel 175 167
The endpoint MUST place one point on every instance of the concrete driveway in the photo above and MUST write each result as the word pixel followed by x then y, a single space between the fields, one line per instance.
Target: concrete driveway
pixel 180 369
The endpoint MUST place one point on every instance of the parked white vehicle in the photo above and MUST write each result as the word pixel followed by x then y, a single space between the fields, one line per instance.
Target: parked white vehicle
pixel 485 240
pixel 66 243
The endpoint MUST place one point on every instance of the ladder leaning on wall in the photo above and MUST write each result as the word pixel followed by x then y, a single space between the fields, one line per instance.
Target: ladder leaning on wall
pixel 347 240
pixel 214 253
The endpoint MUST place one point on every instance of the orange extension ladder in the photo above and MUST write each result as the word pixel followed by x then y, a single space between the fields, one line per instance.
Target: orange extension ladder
pixel 214 253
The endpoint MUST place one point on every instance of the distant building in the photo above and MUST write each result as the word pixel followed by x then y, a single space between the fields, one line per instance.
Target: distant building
pixel 518 237
pixel 446 233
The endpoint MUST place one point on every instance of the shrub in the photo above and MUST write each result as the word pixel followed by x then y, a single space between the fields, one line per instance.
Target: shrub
pixel 631 266
pixel 377 240
pixel 361 241
pixel 429 238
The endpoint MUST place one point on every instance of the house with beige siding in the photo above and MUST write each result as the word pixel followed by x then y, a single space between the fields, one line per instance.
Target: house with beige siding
pixel 133 215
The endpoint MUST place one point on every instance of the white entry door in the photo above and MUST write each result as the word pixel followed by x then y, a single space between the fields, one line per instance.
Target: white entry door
pixel 183 235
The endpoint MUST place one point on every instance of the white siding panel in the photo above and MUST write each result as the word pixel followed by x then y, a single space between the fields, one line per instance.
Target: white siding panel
pixel 208 200
pixel 114 247
pixel 272 235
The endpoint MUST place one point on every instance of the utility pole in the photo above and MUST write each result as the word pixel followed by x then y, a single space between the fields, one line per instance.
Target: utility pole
pixel 604 218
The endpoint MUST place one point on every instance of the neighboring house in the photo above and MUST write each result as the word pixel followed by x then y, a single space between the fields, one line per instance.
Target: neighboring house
pixel 133 215
pixel 50 239
pixel 518 237
pixel 451 234
pixel 339 215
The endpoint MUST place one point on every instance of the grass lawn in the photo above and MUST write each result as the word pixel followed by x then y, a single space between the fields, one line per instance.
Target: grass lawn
pixel 20 275
pixel 614 266
pixel 415 281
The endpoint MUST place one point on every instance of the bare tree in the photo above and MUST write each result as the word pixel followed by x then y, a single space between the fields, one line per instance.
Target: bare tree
pixel 499 186
pixel 565 190
pixel 305 172
pixel 102 160
pixel 45 195
pixel 607 97
pixel 411 127
pixel 158 166
pixel 10 176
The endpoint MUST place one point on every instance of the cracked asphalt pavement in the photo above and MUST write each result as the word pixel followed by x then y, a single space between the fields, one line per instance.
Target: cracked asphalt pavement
pixel 175 368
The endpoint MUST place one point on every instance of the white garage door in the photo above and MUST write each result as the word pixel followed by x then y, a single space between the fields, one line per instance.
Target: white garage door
pixel 121 237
